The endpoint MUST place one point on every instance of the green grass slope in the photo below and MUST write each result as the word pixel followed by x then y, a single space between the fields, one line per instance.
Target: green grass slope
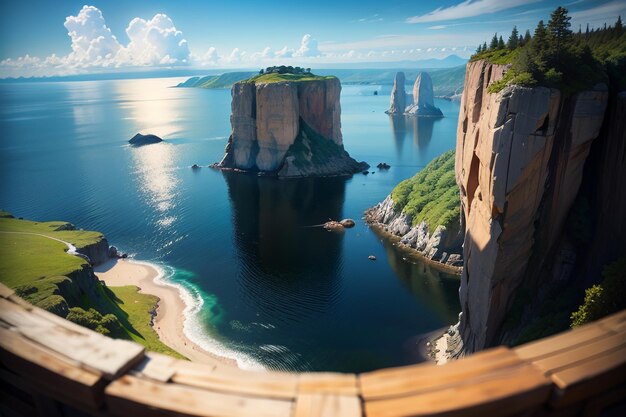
pixel 277 78
pixel 41 271
pixel 432 195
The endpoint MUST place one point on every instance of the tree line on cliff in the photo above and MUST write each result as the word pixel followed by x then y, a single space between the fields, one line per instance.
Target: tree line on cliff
pixel 555 56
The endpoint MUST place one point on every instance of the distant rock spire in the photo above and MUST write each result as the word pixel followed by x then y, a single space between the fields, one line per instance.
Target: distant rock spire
pixel 423 99
pixel 398 95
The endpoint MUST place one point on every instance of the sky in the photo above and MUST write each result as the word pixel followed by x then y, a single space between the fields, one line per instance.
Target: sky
pixel 64 37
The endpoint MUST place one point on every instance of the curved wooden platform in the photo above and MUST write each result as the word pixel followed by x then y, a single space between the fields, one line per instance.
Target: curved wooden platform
pixel 51 367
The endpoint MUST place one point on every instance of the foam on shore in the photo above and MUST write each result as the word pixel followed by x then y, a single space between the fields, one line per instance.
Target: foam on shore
pixel 193 326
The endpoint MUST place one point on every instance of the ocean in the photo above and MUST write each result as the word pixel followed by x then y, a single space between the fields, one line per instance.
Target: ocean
pixel 262 285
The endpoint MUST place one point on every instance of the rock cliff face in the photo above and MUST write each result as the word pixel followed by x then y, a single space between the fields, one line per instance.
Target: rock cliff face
pixel 519 164
pixel 397 103
pixel 289 129
pixel 423 98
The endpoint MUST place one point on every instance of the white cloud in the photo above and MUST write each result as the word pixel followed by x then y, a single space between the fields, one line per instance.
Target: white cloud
pixel 210 57
pixel 284 53
pixel 152 42
pixel 308 47
pixel 155 42
pixel 468 8
pixel 597 16
pixel 92 40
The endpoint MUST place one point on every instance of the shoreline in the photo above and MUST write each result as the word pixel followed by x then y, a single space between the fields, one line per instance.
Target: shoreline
pixel 379 228
pixel 169 320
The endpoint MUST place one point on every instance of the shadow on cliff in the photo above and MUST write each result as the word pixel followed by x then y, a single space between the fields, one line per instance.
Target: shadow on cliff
pixel 419 128
pixel 288 269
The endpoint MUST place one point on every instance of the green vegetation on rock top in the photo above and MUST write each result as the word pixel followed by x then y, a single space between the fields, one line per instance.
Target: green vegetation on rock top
pixel 556 57
pixel 277 78
pixel 432 195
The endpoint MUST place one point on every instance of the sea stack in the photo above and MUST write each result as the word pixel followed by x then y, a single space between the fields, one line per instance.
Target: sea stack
pixel 288 125
pixel 398 96
pixel 423 98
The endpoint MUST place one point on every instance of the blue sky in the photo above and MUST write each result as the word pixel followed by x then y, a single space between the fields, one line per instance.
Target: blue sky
pixel 62 37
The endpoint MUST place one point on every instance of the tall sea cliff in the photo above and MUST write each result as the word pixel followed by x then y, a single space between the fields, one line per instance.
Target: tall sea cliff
pixel 521 157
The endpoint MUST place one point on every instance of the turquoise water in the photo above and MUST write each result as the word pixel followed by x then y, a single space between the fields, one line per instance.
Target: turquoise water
pixel 263 287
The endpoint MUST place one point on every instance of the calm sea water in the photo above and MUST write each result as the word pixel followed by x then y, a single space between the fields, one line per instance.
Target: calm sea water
pixel 263 286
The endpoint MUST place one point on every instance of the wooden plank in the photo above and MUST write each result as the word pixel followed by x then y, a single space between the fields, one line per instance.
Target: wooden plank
pixel 589 378
pixel 410 379
pixel 93 350
pixel 577 355
pixel 615 322
pixel 280 385
pixel 131 396
pixel 503 393
pixel 48 374
pixel 5 292
pixel 156 366
pixel 562 341
pixel 327 405
pixel 328 382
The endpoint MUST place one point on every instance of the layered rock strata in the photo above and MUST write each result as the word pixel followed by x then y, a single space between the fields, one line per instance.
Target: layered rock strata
pixel 519 163
pixel 289 129
pixel 397 103
pixel 423 98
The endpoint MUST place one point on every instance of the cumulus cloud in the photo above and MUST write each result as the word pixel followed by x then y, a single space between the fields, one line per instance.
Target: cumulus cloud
pixel 210 57
pixel 156 42
pixel 152 42
pixel 92 41
pixel 308 47
pixel 284 53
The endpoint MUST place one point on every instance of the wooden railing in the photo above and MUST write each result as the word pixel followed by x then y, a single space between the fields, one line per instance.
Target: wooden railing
pixel 51 367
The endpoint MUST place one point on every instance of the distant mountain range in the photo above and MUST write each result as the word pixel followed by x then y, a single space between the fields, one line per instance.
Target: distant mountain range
pixel 447 82
pixel 447 62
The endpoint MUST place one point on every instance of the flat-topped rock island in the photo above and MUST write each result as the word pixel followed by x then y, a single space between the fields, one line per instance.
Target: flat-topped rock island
pixel 288 125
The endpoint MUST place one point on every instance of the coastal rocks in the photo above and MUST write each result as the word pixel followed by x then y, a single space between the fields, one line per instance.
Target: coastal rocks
pixel 519 163
pixel 423 98
pixel 371 258
pixel 383 166
pixel 288 129
pixel 140 140
pixel 441 245
pixel 398 96
pixel 333 225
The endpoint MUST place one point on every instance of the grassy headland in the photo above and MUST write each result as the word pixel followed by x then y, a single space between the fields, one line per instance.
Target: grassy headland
pixel 432 195
pixel 41 271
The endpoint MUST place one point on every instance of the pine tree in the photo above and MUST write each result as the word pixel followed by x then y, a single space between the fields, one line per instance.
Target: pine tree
pixel 501 44
pixel 513 39
pixel 559 33
pixel 494 43
pixel 479 49
pixel 541 35
pixel 484 46
pixel 618 26
pixel 527 37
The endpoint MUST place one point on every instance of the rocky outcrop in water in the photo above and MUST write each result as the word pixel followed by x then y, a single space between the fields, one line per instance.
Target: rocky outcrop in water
pixel 398 96
pixel 423 98
pixel 139 139
pixel 520 159
pixel 288 128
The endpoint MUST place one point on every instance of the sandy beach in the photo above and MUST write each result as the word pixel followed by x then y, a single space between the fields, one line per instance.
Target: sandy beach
pixel 169 318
